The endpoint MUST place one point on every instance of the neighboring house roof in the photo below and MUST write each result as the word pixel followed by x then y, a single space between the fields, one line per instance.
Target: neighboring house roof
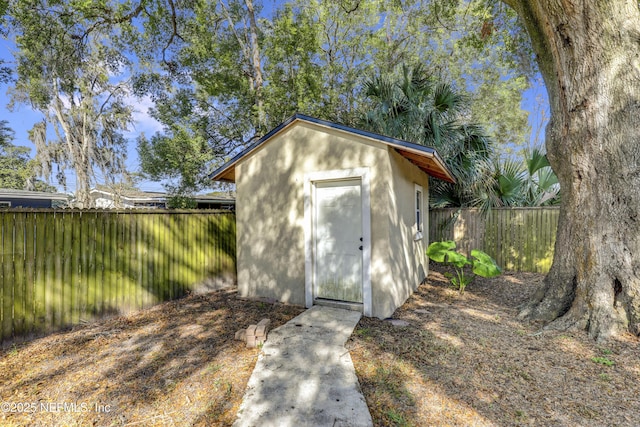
pixel 426 158
pixel 131 195
pixel 39 195
pixel 214 199
pixel 154 196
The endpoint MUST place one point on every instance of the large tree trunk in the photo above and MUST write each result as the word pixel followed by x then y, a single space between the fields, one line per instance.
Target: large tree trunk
pixel 589 55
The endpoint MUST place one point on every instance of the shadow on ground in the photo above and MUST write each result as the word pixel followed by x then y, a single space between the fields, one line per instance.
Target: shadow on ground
pixel 467 360
pixel 174 364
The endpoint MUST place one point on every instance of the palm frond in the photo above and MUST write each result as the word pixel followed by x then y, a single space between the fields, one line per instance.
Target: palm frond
pixel 536 160
pixel 413 108
pixel 446 99
pixel 510 182
pixel 546 179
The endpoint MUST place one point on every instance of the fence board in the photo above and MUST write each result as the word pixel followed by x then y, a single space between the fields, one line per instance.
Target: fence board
pixel 155 258
pixel 76 257
pixel 50 279
pixel 106 263
pixel 18 275
pixel 58 268
pixel 30 305
pixel 68 269
pixel 520 239
pixel 41 272
pixel 121 264
pixel 86 240
pixel 99 256
pixel 139 248
pixel 91 275
pixel 7 275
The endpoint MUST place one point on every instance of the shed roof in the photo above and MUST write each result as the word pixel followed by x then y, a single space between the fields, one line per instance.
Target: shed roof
pixel 426 158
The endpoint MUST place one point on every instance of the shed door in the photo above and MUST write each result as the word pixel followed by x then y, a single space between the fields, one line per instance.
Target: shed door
pixel 338 240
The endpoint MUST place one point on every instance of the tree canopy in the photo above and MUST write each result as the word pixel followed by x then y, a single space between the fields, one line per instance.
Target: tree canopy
pixel 229 82
pixel 221 73
pixel 17 169
pixel 69 67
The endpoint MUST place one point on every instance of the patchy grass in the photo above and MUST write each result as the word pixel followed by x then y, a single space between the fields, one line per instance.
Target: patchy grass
pixel 467 360
pixel 174 364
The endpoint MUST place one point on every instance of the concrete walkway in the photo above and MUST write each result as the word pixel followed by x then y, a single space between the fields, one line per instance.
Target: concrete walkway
pixel 304 375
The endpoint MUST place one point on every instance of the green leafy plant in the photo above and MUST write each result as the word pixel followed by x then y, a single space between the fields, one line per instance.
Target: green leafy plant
pixel 603 361
pixel 481 263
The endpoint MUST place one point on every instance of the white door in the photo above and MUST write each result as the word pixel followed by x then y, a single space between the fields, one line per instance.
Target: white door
pixel 338 240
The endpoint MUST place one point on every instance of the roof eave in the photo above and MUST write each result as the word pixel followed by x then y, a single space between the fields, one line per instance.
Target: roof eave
pixel 229 166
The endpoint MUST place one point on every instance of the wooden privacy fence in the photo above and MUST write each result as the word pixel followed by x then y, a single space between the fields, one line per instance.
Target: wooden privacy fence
pixel 519 239
pixel 60 268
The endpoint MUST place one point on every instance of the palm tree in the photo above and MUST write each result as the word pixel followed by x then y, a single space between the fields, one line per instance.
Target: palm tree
pixel 509 184
pixel 526 182
pixel 542 188
pixel 416 108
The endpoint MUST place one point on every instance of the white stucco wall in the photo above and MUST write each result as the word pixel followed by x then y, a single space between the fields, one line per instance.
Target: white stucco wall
pixel 407 258
pixel 271 222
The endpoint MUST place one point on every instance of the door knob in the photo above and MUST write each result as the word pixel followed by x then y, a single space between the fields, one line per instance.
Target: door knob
pixel 360 248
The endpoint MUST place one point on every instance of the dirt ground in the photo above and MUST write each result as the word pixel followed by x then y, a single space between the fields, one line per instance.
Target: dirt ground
pixel 458 360
pixel 176 364
pixel 466 360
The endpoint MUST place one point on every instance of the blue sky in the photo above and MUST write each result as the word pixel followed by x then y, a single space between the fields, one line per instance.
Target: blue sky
pixel 23 118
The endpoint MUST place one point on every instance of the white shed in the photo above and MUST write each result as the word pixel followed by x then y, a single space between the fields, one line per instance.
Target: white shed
pixel 329 214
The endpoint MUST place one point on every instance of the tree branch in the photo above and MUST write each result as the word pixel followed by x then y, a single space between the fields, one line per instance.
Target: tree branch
pixel 174 33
